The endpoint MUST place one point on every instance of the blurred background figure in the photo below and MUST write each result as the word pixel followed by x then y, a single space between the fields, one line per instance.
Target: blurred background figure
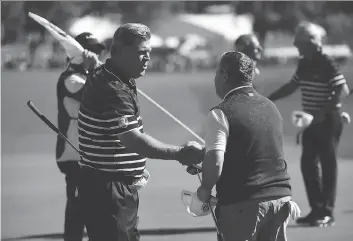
pixel 69 91
pixel 322 86
pixel 34 40
pixel 250 45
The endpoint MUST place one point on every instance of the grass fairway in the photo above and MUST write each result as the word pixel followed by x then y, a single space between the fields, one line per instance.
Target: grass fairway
pixel 33 190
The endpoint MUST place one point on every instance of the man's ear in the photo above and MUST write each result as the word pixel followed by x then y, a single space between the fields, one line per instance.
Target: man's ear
pixel 224 74
pixel 116 50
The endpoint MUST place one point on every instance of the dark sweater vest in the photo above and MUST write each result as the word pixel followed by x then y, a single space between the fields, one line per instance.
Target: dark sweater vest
pixel 254 165
pixel 63 117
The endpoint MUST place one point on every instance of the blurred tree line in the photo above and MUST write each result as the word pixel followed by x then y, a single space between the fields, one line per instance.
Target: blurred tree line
pixel 335 16
pixel 16 23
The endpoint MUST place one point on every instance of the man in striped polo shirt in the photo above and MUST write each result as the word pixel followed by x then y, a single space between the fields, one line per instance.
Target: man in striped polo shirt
pixel 322 86
pixel 69 91
pixel 112 140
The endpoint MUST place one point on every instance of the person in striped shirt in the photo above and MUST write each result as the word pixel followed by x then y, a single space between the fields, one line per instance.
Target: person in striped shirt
pixel 322 86
pixel 112 141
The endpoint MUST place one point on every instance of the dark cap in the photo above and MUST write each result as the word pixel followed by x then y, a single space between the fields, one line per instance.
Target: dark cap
pixel 88 41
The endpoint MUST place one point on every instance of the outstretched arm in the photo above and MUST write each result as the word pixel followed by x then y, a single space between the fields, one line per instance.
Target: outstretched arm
pixel 284 91
pixel 145 145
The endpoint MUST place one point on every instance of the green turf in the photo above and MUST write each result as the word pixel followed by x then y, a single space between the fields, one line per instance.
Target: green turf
pixel 33 190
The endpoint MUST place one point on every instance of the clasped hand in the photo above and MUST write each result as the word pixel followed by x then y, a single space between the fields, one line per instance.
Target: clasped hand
pixel 191 153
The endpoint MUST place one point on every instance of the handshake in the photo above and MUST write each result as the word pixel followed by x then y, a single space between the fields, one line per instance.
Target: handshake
pixel 191 153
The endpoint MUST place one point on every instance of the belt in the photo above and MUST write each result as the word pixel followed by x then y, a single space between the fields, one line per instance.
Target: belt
pixel 108 176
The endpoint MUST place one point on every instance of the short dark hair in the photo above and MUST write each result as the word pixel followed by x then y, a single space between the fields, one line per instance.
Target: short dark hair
pixel 238 66
pixel 127 33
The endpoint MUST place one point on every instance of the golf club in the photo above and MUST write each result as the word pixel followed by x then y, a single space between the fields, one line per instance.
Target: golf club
pixel 50 125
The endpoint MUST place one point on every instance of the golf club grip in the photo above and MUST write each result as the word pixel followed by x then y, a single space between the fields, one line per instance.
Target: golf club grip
pixel 42 117
pixel 193 169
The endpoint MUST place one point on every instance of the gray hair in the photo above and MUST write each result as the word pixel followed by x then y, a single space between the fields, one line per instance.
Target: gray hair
pixel 127 34
pixel 238 67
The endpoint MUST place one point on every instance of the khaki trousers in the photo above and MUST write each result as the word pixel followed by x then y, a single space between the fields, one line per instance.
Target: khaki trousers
pixel 255 220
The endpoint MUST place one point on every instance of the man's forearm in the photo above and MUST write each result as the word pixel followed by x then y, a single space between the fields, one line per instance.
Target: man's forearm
pixel 211 169
pixel 284 91
pixel 149 147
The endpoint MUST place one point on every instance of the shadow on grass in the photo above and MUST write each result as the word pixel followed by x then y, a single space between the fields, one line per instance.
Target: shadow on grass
pixel 143 232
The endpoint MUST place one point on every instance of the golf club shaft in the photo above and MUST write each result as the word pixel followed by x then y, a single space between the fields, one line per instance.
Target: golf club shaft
pixel 171 116
pixel 176 120
pixel 213 215
pixel 49 124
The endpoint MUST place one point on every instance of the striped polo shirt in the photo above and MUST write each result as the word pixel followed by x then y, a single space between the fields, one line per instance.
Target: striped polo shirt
pixel 109 107
pixel 317 79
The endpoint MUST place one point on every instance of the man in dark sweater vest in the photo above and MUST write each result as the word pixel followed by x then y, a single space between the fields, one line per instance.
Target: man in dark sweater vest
pixel 244 157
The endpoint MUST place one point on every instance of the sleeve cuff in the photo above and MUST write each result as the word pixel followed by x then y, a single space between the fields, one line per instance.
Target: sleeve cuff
pixel 124 124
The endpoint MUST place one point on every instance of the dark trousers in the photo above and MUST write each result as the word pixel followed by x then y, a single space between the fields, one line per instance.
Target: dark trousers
pixel 74 226
pixel 110 207
pixel 320 141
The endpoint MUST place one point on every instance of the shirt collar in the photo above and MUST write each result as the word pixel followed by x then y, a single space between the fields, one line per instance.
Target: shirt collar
pixel 235 89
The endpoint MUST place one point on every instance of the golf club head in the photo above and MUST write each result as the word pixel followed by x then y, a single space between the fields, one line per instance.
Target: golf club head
pixel 72 48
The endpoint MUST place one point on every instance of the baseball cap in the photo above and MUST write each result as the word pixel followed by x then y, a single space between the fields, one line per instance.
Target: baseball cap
pixel 88 41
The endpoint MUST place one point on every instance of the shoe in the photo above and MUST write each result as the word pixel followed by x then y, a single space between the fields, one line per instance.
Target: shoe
pixel 323 222
pixel 308 219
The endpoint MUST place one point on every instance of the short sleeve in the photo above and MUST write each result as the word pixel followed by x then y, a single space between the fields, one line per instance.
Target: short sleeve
pixel 217 131
pixel 333 73
pixel 123 108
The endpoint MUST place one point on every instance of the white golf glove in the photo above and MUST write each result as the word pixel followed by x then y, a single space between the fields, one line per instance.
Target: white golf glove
pixel 301 119
pixel 346 118
pixel 195 206
pixel 142 182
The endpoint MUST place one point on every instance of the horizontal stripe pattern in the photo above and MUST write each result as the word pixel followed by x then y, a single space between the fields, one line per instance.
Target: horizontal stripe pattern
pixel 100 146
pixel 317 79
pixel 338 80
pixel 316 94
